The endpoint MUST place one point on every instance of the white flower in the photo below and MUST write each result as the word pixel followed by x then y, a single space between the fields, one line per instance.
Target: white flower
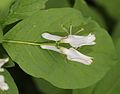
pixel 74 40
pixel 50 47
pixel 2 62
pixel 3 86
pixel 51 37
pixel 74 55
pixel 78 41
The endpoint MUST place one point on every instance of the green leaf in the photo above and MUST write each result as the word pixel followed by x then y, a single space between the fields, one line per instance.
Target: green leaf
pixel 110 84
pixel 111 6
pixel 89 11
pixel 47 88
pixel 4 9
pixel 22 44
pixel 24 8
pixel 57 3
pixel 9 80
pixel 87 90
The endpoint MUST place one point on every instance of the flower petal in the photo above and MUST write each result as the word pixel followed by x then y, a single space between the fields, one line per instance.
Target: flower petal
pixel 75 55
pixel 50 47
pixel 3 86
pixel 51 37
pixel 78 41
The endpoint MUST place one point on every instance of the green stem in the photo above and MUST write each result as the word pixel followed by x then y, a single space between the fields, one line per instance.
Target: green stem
pixel 25 42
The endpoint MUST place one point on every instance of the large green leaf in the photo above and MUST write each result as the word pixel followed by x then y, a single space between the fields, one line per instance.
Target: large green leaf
pixel 110 84
pixel 89 11
pixel 24 8
pixel 9 80
pixel 20 43
pixel 47 88
pixel 111 6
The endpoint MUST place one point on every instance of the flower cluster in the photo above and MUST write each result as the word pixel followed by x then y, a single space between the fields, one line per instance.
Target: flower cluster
pixel 3 85
pixel 75 42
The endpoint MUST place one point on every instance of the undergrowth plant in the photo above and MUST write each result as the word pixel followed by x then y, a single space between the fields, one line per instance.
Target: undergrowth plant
pixel 59 47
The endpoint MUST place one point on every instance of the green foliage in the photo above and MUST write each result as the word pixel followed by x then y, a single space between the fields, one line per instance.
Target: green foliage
pixel 116 38
pixel 111 6
pixel 88 11
pixel 23 21
pixel 110 84
pixel 24 8
pixel 51 65
pixel 57 3
pixel 4 9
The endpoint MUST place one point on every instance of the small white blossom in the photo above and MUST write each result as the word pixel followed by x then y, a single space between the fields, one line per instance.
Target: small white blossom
pixel 50 47
pixel 75 41
pixel 78 41
pixel 51 37
pixel 74 55
pixel 2 62
pixel 3 86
